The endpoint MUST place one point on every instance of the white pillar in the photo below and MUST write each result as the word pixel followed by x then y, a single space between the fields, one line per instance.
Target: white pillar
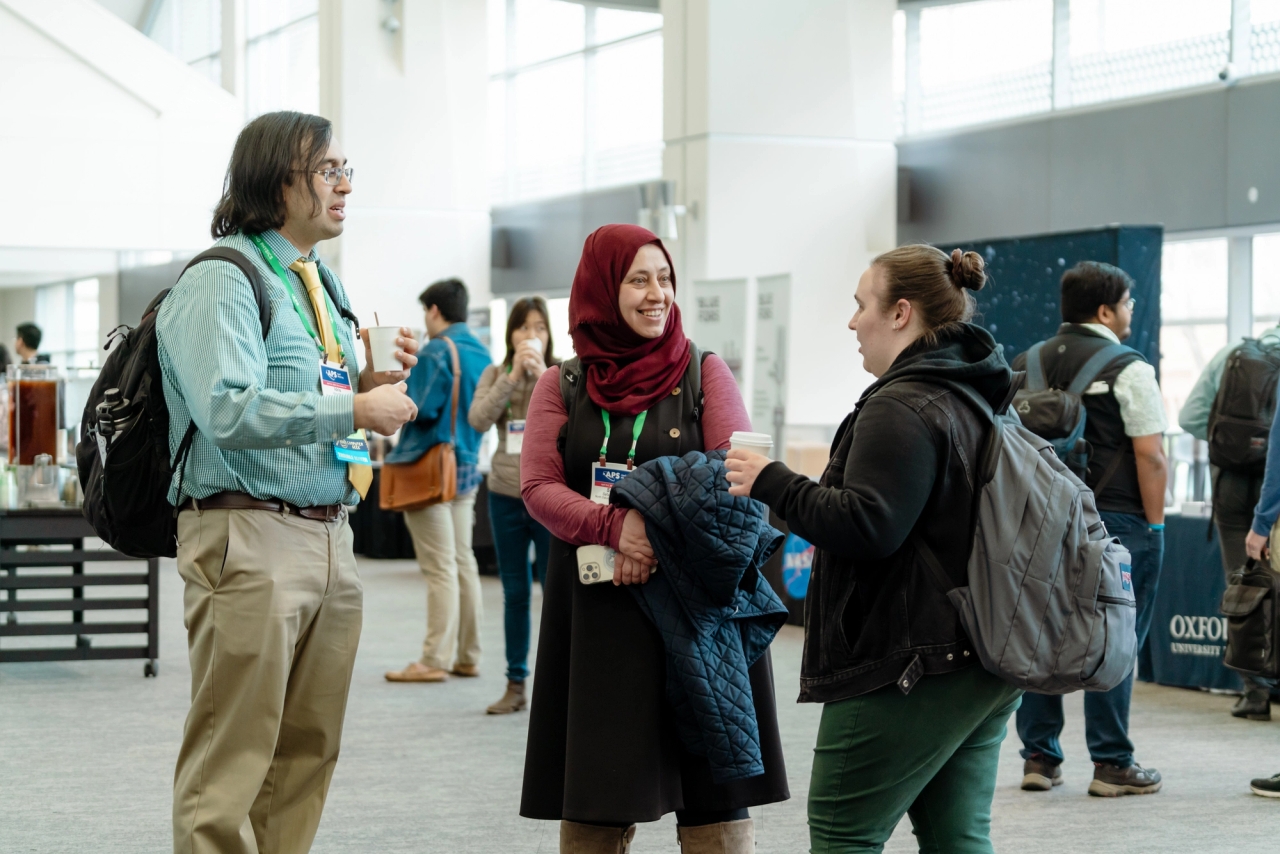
pixel 779 127
pixel 409 107
pixel 1239 288
pixel 231 58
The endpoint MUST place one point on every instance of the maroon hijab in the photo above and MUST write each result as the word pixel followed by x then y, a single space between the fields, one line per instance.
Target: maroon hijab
pixel 626 372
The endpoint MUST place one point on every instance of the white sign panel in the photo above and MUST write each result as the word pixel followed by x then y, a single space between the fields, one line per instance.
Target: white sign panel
pixel 769 396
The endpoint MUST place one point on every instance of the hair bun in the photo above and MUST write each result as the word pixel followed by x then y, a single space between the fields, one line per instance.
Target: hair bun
pixel 967 270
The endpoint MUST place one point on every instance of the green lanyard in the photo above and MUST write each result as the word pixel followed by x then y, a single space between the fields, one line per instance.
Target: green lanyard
pixel 284 277
pixel 635 437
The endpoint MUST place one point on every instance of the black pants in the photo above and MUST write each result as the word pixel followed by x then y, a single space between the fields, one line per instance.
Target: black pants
pixel 1234 498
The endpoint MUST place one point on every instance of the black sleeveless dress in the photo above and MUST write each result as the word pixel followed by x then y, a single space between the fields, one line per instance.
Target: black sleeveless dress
pixel 602 747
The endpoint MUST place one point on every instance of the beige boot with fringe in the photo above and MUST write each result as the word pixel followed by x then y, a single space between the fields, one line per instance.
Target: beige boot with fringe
pixel 726 837
pixel 578 838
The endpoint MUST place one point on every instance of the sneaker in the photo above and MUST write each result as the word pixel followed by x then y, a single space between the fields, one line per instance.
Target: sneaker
pixel 1040 776
pixel 1254 705
pixel 1110 781
pixel 1267 788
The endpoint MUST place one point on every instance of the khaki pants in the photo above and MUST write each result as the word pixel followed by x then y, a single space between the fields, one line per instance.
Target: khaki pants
pixel 272 608
pixel 442 542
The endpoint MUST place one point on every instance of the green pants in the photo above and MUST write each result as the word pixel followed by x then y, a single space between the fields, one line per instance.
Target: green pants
pixel 932 754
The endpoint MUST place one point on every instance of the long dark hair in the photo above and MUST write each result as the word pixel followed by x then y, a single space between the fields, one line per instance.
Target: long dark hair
pixel 519 313
pixel 269 153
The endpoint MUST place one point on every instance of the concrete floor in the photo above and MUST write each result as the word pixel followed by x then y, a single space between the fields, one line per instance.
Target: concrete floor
pixel 87 751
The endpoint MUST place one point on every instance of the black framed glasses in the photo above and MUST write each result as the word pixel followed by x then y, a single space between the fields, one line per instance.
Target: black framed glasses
pixel 334 175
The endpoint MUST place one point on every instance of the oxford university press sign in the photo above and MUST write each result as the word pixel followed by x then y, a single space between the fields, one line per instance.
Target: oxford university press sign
pixel 1198 635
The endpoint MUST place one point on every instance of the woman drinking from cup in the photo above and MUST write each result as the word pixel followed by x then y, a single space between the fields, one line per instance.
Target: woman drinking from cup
pixel 502 398
pixel 911 722
pixel 603 752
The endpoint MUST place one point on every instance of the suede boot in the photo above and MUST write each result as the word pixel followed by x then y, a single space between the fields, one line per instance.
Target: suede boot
pixel 512 701
pixel 727 837
pixel 578 838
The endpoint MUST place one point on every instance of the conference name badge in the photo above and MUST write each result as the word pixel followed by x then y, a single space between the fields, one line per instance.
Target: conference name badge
pixel 515 436
pixel 334 379
pixel 604 478
pixel 353 449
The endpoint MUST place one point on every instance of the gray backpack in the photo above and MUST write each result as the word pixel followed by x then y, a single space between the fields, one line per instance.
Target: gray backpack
pixel 1049 605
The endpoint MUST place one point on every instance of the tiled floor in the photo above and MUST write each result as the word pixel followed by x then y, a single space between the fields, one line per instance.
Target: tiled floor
pixel 87 751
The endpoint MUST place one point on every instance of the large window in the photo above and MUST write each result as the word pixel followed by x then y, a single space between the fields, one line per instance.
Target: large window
pixel 975 61
pixel 192 31
pixel 984 61
pixel 282 56
pixel 1193 309
pixel 67 314
pixel 1266 282
pixel 575 98
pixel 282 48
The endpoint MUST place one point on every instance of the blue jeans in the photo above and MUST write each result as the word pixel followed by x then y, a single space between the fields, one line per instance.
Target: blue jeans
pixel 1106 713
pixel 513 530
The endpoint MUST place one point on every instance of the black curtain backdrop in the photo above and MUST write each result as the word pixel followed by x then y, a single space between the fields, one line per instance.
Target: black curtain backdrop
pixel 1019 305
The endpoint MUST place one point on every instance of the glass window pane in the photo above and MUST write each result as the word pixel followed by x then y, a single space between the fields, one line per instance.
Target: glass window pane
pixel 1193 282
pixel 1185 349
pixel 282 71
pixel 1124 48
pixel 985 60
pixel 626 125
pixel 559 322
pixel 498 141
pixel 1265 40
pixel 263 16
pixel 548 28
pixel 1266 280
pixel 614 24
pixel 496 14
pixel 189 29
pixel 548 141
pixel 210 68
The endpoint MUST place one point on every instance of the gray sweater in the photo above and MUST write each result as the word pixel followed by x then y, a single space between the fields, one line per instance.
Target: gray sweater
pixel 494 392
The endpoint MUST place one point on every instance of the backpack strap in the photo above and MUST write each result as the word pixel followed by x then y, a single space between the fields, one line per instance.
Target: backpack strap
pixel 260 293
pixel 330 285
pixel 1097 362
pixel 1035 369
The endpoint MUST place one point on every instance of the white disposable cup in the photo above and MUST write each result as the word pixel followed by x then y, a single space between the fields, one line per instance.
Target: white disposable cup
pixel 756 443
pixel 383 347
pixel 533 343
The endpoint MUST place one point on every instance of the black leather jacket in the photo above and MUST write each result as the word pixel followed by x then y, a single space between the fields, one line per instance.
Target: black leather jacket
pixel 902 466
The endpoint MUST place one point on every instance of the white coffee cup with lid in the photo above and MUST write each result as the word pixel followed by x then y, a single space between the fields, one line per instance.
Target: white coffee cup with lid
pixel 756 443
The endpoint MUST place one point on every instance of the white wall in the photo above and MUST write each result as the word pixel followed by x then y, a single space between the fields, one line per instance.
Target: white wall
pixel 778 119
pixel 410 110
pixel 120 145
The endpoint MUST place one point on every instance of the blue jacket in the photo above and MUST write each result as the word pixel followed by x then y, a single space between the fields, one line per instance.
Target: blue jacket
pixel 431 387
pixel 715 613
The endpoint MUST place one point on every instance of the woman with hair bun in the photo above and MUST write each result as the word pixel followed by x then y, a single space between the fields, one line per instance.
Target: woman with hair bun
pixel 911 722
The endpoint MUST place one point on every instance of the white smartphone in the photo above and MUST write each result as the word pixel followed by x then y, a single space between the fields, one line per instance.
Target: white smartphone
pixel 595 564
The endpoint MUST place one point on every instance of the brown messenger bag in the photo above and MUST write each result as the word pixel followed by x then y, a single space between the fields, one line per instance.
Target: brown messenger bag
pixel 433 478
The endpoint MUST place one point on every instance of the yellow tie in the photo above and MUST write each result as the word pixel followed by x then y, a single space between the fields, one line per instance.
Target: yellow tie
pixel 360 475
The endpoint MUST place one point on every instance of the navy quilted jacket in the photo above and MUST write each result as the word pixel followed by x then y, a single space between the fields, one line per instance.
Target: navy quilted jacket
pixel 715 613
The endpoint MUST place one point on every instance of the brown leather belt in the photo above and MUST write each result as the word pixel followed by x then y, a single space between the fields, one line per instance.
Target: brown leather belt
pixel 245 501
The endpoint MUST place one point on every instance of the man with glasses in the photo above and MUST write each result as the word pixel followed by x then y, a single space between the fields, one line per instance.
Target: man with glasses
pixel 272 601
pixel 1125 427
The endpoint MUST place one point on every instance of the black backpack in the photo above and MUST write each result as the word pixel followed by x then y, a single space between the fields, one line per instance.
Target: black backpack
pixel 1240 420
pixel 1251 605
pixel 123 453
pixel 1058 415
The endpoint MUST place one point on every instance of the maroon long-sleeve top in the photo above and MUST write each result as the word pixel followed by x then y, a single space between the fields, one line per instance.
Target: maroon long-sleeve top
pixel 575 518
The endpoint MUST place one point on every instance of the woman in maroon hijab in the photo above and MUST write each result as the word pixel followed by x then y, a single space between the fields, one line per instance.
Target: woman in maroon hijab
pixel 603 753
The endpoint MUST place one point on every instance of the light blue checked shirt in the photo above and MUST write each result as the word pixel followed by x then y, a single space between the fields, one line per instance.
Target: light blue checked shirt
pixel 264 427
